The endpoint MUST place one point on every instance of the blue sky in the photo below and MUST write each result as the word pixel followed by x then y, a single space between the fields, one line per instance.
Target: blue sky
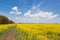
pixel 31 11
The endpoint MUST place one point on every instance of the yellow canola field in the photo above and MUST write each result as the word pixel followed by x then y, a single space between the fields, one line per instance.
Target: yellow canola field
pixel 35 28
pixel 34 31
pixel 38 31
pixel 5 27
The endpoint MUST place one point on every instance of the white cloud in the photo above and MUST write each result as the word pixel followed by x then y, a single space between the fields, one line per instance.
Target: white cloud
pixel 27 13
pixel 36 12
pixel 35 15
pixel 36 20
pixel 40 17
pixel 41 14
pixel 15 10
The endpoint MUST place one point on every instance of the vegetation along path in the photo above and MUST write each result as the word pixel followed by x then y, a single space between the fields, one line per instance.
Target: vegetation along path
pixel 10 36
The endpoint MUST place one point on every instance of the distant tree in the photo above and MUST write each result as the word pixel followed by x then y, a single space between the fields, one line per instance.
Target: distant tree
pixel 5 20
pixel 10 21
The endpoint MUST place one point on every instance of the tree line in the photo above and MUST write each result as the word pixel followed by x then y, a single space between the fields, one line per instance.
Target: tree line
pixel 5 20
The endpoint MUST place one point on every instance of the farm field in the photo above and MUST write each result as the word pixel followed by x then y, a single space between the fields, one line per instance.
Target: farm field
pixel 38 31
pixel 30 32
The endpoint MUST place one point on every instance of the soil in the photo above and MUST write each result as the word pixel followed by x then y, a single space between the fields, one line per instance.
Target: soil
pixel 10 36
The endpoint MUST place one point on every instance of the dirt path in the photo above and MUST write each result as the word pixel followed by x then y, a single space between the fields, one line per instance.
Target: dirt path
pixel 10 36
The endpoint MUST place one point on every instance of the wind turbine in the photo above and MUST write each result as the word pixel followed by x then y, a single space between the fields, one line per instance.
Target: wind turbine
pixel 38 9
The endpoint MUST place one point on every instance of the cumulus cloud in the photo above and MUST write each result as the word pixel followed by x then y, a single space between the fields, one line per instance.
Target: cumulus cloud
pixel 36 12
pixel 15 10
pixel 28 13
pixel 35 15
pixel 42 14
pixel 40 17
